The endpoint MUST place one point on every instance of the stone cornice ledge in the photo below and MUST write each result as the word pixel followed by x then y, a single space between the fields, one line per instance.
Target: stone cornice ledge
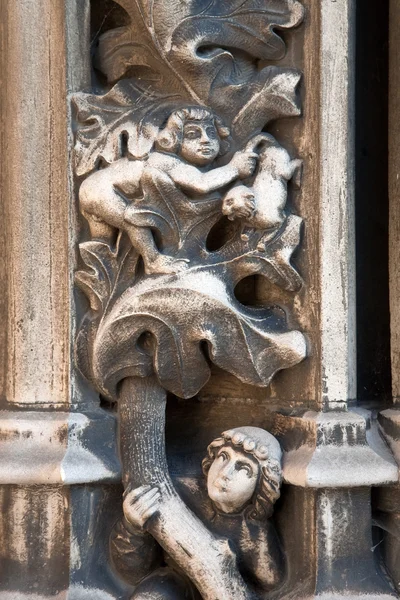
pixel 39 448
pixel 336 450
pixel 389 425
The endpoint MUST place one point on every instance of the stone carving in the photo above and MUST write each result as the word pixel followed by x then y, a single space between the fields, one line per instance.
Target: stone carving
pixel 243 471
pixel 182 202
pixel 268 194
pixel 164 157
pixel 181 165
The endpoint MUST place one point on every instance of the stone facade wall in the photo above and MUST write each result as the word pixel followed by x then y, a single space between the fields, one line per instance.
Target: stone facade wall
pixel 179 413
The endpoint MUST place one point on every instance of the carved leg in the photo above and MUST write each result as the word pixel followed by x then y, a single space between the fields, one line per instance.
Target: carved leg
pixel 154 261
pixel 207 560
pixel 99 230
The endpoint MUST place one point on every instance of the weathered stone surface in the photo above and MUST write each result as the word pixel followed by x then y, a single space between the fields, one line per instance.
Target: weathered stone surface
pixel 338 450
pixel 69 448
pixel 217 263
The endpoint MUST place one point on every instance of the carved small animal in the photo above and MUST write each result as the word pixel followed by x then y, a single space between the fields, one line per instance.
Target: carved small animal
pixel 261 205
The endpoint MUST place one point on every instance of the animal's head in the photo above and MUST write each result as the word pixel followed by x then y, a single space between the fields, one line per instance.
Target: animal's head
pixel 238 202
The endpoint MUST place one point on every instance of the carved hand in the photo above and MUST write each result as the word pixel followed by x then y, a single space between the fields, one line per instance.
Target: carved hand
pixel 245 162
pixel 140 505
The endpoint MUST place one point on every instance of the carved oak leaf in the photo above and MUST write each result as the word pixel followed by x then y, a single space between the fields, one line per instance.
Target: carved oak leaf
pixel 182 313
pixel 104 121
pixel 247 25
pixel 97 280
pixel 106 275
pixel 119 51
pixel 108 271
pixel 195 32
pixel 273 263
pixel 204 52
pixel 273 95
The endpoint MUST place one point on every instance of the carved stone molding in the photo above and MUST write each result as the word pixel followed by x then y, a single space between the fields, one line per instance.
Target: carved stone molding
pixel 349 442
pixel 65 446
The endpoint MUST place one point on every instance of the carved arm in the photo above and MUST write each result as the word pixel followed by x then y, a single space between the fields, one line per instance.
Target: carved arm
pixel 199 182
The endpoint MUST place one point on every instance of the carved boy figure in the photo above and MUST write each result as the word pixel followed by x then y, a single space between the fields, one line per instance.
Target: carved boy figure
pixel 243 470
pixel 185 150
pixel 268 191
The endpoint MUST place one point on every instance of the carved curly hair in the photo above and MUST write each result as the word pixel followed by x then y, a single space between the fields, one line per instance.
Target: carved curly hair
pixel 170 137
pixel 265 448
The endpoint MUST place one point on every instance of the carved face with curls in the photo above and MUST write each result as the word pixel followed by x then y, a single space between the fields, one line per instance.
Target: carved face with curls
pixel 195 134
pixel 243 469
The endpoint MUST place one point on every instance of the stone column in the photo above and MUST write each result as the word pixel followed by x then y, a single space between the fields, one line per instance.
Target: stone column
pixel 337 227
pixel 35 188
pixel 47 419
pixel 342 454
pixel 388 513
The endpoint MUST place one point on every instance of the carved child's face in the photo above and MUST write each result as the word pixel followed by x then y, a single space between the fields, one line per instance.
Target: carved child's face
pixel 200 144
pixel 232 479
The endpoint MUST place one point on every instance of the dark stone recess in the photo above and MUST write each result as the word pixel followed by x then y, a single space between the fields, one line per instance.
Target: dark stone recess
pixel 372 203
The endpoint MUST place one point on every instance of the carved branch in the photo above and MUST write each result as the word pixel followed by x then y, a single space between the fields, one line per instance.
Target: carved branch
pixel 208 560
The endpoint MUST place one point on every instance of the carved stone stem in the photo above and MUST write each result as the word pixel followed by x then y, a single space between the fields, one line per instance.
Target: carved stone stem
pixel 207 560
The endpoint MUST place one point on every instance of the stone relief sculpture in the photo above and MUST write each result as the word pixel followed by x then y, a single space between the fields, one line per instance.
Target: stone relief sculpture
pixel 243 470
pixel 181 165
pixel 268 194
pixel 163 157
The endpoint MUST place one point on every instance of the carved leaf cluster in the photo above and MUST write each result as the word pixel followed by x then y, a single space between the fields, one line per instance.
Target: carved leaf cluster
pixel 107 271
pixel 200 52
pixel 180 40
pixel 185 52
pixel 182 312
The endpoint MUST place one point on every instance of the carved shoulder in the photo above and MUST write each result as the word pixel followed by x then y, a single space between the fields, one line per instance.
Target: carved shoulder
pixel 162 161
